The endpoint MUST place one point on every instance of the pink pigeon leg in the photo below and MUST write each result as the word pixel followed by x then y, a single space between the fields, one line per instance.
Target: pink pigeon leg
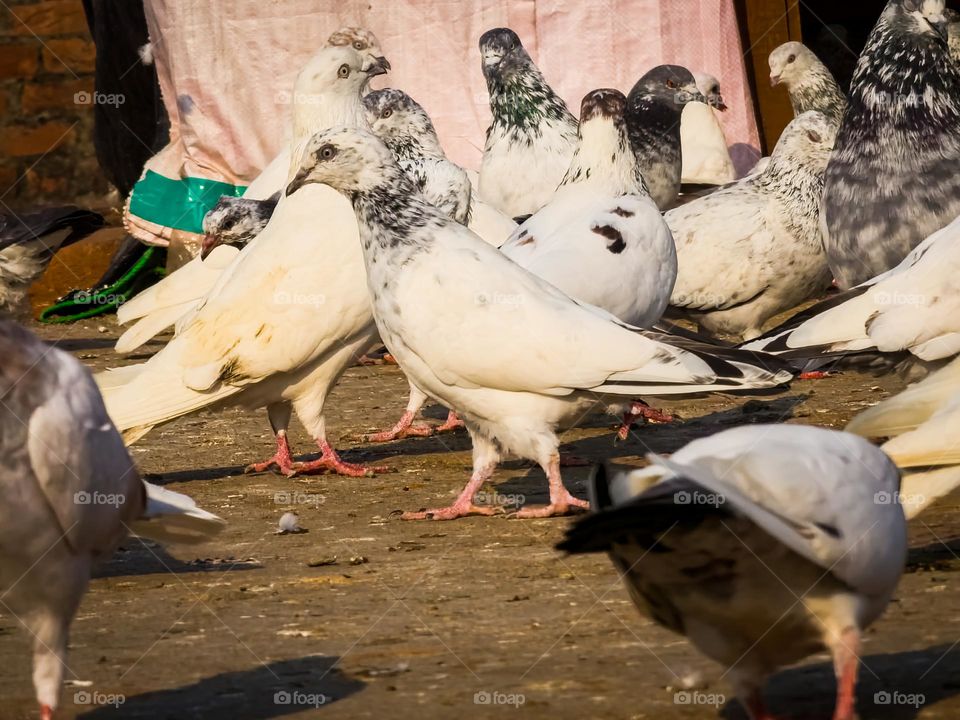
pixel 282 460
pixel 561 501
pixel 329 461
pixel 485 459
pixel 639 409
pixel 405 426
pixel 453 422
pixel 814 375
pixel 845 661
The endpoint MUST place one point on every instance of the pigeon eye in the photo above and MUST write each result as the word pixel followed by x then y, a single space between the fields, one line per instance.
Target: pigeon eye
pixel 358 45
pixel 791 59
pixel 327 152
pixel 814 136
pixel 671 84
pixel 344 71
pixel 386 113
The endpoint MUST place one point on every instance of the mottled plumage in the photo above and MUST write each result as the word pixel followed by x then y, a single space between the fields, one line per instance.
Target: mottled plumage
pixel 753 249
pixel 235 221
pixel 514 356
pixel 654 108
pixel 809 83
pixel 893 180
pixel 762 545
pixel 532 135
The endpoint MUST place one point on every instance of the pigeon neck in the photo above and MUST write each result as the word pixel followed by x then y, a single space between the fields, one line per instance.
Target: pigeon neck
pixel 524 101
pixel 410 146
pixel 391 213
pixel 652 127
pixel 603 157
pixel 818 91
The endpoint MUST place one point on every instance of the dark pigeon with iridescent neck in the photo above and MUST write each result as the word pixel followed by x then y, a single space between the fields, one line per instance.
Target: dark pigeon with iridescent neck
pixel 532 136
pixel 892 180
pixel 654 107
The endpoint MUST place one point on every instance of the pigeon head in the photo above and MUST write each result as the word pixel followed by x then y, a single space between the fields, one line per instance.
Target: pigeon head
pixel 361 40
pixel 709 87
pixel 669 86
pixel 235 221
pixel 347 159
pixel 501 47
pixel 917 17
pixel 808 140
pixel 399 121
pixel 603 154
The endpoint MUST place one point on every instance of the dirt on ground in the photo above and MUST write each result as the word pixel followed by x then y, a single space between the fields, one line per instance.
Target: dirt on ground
pixel 364 615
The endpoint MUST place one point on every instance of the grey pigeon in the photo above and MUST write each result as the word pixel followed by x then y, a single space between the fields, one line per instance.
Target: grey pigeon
pixel 762 545
pixel 654 108
pixel 27 243
pixel 69 493
pixel 515 357
pixel 752 250
pixel 892 180
pixel 235 221
pixel 808 81
pixel 532 135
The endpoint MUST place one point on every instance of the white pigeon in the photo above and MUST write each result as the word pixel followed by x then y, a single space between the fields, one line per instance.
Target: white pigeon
pixel 515 357
pixel 284 320
pixel 810 84
pixel 911 311
pixel 532 135
pixel 407 130
pixel 163 304
pixel 69 494
pixel 705 157
pixel 601 239
pixel 921 423
pixel 762 545
pixel 753 249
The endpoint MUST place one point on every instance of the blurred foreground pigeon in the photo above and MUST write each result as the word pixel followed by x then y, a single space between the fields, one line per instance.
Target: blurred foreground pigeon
pixel 911 313
pixel 27 243
pixel 532 135
pixel 921 423
pixel 288 316
pixel 706 159
pixel 808 81
pixel 892 180
pixel 762 545
pixel 515 357
pixel 654 109
pixel 753 249
pixel 69 494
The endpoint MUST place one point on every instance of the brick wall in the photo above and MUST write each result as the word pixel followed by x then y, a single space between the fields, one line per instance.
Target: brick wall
pixel 46 115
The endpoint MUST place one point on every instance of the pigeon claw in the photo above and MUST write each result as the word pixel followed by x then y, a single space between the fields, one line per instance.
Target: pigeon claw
pixel 394 433
pixel 814 375
pixel 452 512
pixel 639 409
pixel 567 506
pixel 451 424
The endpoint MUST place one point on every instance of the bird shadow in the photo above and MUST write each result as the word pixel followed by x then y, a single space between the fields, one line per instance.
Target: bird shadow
pixel 77 344
pixel 272 690
pixel 892 686
pixel 142 557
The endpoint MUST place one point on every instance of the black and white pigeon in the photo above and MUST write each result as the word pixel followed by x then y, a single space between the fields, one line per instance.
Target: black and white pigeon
pixel 515 357
pixel 654 109
pixel 601 239
pixel 762 545
pixel 532 135
pixel 892 180
pixel 809 83
pixel 235 221
pixel 69 494
pixel 908 317
pixel 752 250
pixel 28 242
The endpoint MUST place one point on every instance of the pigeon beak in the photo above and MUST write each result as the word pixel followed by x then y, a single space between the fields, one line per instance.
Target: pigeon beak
pixel 721 106
pixel 774 80
pixel 210 241
pixel 301 179
pixel 380 66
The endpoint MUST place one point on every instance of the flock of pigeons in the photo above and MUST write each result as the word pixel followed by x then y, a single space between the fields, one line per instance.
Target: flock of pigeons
pixel 530 295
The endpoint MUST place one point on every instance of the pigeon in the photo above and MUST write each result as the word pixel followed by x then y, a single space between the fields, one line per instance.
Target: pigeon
pixel 808 81
pixel 601 239
pixel 654 109
pixel 753 249
pixel 235 221
pixel 407 130
pixel 921 426
pixel 532 135
pixel 170 300
pixel 286 317
pixel 892 179
pixel 706 159
pixel 762 545
pixel 514 356
pixel 173 298
pixel 907 318
pixel 70 494
pixel 28 242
